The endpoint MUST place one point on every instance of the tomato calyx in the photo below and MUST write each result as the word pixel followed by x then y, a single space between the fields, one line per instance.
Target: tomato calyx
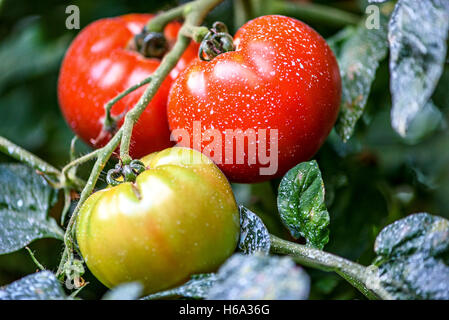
pixel 150 44
pixel 216 42
pixel 125 173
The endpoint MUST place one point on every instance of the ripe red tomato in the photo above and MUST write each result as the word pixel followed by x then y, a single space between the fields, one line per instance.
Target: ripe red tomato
pixel 178 218
pixel 281 76
pixel 98 66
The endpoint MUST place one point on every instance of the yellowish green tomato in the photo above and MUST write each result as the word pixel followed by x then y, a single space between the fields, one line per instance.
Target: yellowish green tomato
pixel 178 218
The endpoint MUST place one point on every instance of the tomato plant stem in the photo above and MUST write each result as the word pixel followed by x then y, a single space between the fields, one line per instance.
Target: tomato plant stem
pixel 14 151
pixel 159 76
pixel 67 203
pixel 110 122
pixel 195 32
pixel 357 275
pixel 102 159
pixel 36 262
pixel 54 176
pixel 73 148
pixel 194 14
pixel 314 12
pixel 78 161
pixel 103 156
pixel 158 23
pixel 194 17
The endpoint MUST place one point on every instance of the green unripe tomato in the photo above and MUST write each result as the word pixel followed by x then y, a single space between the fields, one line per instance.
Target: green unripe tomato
pixel 178 218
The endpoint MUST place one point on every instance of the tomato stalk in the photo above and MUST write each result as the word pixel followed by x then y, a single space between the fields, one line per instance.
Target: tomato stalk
pixel 167 64
pixel 68 173
pixel 195 32
pixel 110 122
pixel 53 175
pixel 73 148
pixel 36 262
pixel 357 275
pixel 77 162
pixel 103 156
pixel 194 13
pixel 22 155
pixel 194 17
pixel 158 23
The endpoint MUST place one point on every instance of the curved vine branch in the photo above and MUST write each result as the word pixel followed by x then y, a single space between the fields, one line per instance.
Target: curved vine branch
pixel 110 122
pixel 158 23
pixel 357 275
pixel 194 13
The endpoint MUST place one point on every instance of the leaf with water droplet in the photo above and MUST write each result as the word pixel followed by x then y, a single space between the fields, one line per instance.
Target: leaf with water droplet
pixel 260 277
pixel 25 199
pixel 196 288
pixel 413 258
pixel 418 32
pixel 38 286
pixel 358 58
pixel 301 204
pixel 125 291
pixel 254 236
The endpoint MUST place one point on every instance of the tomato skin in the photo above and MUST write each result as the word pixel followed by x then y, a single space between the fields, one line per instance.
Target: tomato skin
pixel 98 66
pixel 282 76
pixel 178 219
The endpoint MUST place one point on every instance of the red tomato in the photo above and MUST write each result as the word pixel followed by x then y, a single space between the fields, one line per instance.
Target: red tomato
pixel 98 66
pixel 281 76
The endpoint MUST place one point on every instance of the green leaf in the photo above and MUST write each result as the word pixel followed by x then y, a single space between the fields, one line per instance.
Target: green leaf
pixel 418 33
pixel 125 291
pixel 196 288
pixel 254 236
pixel 301 204
pixel 25 199
pixel 358 58
pixel 260 277
pixel 38 286
pixel 413 257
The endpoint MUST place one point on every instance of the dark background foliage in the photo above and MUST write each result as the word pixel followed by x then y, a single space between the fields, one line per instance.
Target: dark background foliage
pixel 374 179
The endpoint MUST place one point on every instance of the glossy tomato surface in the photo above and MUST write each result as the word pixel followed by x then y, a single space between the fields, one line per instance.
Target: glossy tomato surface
pixel 98 66
pixel 281 76
pixel 179 218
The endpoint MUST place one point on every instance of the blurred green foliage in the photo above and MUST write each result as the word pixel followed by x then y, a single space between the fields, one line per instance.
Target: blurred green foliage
pixel 374 179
